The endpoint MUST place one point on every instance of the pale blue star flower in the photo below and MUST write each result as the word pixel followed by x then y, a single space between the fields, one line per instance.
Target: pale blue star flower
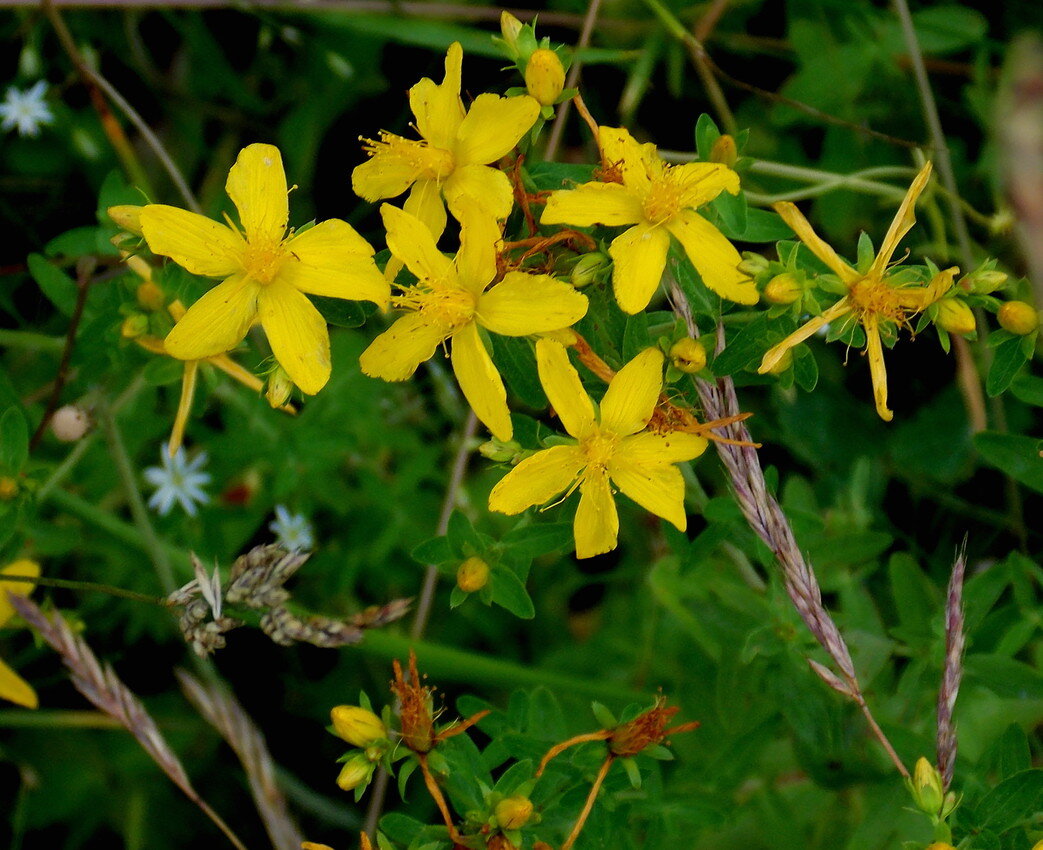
pixel 292 531
pixel 26 110
pixel 178 480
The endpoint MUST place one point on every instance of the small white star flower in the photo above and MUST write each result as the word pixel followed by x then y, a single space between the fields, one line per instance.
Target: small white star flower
pixel 292 531
pixel 26 110
pixel 178 480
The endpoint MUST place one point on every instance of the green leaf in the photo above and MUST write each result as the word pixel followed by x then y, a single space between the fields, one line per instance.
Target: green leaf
pixel 162 371
pixel 1013 800
pixel 510 593
pixel 435 550
pixel 558 175
pixel 635 337
pixel 706 133
pixel 733 212
pixel 633 774
pixel 605 718
pixel 763 226
pixel 747 347
pixel 946 29
pixel 1013 454
pixel 912 594
pixel 1029 389
pixel 517 364
pixel 805 369
pixel 1005 677
pixel 59 288
pixel 14 440
pixel 531 541
pixel 343 313
pixel 462 536
pixel 1008 359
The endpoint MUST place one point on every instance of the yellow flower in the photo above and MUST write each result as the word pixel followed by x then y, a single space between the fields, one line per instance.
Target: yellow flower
pixel 452 158
pixel 659 200
pixel 617 448
pixel 873 299
pixel 13 687
pixel 450 300
pixel 266 271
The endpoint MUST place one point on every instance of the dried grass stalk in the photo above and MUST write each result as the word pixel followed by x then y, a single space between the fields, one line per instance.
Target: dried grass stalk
pixel 955 643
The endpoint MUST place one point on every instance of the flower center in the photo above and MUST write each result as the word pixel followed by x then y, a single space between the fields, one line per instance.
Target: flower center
pixel 262 260
pixel 447 307
pixel 426 162
pixel 599 448
pixel 871 295
pixel 663 200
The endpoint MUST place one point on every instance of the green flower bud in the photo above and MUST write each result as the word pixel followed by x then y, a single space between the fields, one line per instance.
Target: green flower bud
pixel 279 387
pixel 1018 317
pixel 472 575
pixel 588 269
pixel 688 355
pixel 955 316
pixel 783 364
pixel 356 771
pixel 927 788
pixel 135 325
pixel 498 451
pixel 513 812
pixel 358 726
pixel 986 281
pixel 752 264
pixel 724 151
pixel 783 289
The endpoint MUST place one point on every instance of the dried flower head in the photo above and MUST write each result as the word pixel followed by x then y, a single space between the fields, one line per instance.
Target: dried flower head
pixel 646 730
pixel 415 708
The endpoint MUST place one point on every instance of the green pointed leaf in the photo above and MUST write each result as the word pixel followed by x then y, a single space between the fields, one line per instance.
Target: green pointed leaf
pixel 509 592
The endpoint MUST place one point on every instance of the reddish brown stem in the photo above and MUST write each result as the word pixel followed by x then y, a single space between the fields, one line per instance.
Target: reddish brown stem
pixel 589 805
pixel 558 749
pixel 437 796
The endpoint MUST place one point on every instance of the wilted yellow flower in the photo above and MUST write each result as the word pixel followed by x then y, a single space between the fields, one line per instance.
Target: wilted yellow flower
pixel 450 301
pixel 453 155
pixel 660 201
pixel 617 449
pixel 266 271
pixel 874 299
pixel 13 687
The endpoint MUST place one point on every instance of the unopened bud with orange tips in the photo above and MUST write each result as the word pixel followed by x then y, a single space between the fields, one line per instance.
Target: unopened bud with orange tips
pixel 724 151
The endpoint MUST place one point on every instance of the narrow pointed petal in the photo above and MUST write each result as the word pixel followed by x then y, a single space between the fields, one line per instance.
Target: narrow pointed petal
pixel 596 526
pixel 903 221
pixel 396 353
pixel 704 181
pixel 774 354
pixel 298 335
pixel 636 162
pixel 493 126
pixel 658 488
pixel 411 241
pixel 257 186
pixel 650 447
pixel 331 259
pixel 632 394
pixel 593 203
pixel 217 322
pixel 184 406
pixel 523 304
pixel 877 369
pixel 806 233
pixel 921 297
pixel 437 106
pixel 537 479
pixel 479 245
pixel 237 373
pixel 562 385
pixel 713 256
pixel 480 382
pixel 384 175
pixel 23 567
pixel 489 187
pixel 425 202
pixel 639 258
pixel 14 688
pixel 191 240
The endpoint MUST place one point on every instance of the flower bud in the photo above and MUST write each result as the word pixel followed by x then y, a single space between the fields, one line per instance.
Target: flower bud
pixel 545 76
pixel 927 787
pixel 752 264
pixel 472 575
pixel 986 281
pixel 127 216
pixel 783 289
pixel 498 451
pixel 357 771
pixel 135 325
pixel 358 726
pixel 1018 317
pixel 149 296
pixel 588 269
pixel 8 488
pixel 688 355
pixel 513 812
pixel 70 422
pixel 279 387
pixel 510 27
pixel 955 316
pixel 724 151
pixel 783 363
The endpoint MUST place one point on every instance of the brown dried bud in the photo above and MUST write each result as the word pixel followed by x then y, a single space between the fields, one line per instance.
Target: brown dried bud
pixel 645 730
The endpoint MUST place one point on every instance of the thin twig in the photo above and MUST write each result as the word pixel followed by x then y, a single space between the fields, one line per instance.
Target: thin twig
pixel 955 642
pixel 69 584
pixel 577 828
pixel 557 129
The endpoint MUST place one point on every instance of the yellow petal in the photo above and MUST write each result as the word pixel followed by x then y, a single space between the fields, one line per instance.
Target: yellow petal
pixel 385 174
pixel 396 353
pixel 774 354
pixel 191 240
pixel 921 297
pixel 479 244
pixel 492 127
pixel 22 567
pixel 806 233
pixel 650 447
pixel 703 181
pixel 298 335
pixel 184 406
pixel 425 202
pixel 523 304
pixel 437 106
pixel 903 221
pixel 237 373
pixel 537 479
pixel 488 186
pixel 593 203
pixel 713 256
pixel 14 688
pixel 410 240
pixel 877 369
pixel 127 216
pixel 480 382
pixel 331 259
pixel 257 186
pixel 658 488
pixel 597 524
pixel 639 257
pixel 217 322
pixel 632 394
pixel 562 385
pixel 636 162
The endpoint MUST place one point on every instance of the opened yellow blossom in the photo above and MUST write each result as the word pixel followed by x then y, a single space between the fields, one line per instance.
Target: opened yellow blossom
pixel 615 449
pixel 660 201
pixel 876 298
pixel 266 271
pixel 450 301
pixel 453 155
pixel 13 687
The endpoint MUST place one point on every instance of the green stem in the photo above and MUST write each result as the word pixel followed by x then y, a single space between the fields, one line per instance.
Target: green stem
pixel 30 341
pixel 85 585
pixel 57 719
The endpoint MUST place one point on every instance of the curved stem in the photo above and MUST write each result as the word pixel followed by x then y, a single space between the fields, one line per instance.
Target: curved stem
pixel 589 804
pixel 557 129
